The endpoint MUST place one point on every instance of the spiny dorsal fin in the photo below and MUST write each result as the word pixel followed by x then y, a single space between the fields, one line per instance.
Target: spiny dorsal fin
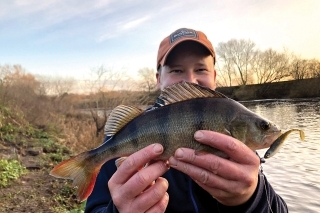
pixel 186 91
pixel 119 117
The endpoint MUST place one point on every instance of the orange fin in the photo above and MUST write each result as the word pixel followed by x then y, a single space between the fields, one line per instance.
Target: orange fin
pixel 79 170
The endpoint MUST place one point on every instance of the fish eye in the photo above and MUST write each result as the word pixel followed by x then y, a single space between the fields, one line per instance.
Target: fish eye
pixel 264 125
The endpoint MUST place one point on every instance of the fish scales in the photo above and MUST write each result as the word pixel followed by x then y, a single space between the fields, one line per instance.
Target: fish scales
pixel 164 126
pixel 193 107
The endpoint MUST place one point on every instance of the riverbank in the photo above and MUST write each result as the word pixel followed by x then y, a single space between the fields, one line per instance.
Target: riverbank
pixel 305 88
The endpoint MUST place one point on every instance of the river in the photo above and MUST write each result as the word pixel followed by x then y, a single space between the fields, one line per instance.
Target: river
pixel 294 172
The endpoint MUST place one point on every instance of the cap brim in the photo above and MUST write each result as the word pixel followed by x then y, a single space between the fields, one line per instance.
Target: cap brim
pixel 163 60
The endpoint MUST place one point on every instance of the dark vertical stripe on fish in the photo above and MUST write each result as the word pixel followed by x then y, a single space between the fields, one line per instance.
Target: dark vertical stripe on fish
pixel 164 127
pixel 199 107
pixel 113 149
pixel 134 132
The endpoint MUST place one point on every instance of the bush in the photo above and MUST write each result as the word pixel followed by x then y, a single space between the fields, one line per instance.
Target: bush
pixel 10 170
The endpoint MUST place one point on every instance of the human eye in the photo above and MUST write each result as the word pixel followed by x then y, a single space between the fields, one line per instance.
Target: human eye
pixel 175 71
pixel 201 70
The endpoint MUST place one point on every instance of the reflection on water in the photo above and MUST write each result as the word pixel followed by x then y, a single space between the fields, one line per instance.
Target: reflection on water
pixel 294 171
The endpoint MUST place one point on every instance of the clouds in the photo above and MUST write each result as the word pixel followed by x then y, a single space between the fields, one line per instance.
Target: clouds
pixel 123 27
pixel 87 34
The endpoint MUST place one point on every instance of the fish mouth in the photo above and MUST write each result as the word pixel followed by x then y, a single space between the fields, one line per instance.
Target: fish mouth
pixel 271 137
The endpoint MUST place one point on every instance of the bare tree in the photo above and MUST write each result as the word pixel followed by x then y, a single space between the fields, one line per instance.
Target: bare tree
pixel 61 85
pixel 103 98
pixel 17 83
pixel 299 69
pixel 148 79
pixel 225 64
pixel 44 85
pixel 237 56
pixel 270 66
pixel 314 68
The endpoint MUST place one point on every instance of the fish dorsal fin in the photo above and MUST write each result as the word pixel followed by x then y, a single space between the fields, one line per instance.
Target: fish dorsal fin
pixel 186 91
pixel 119 117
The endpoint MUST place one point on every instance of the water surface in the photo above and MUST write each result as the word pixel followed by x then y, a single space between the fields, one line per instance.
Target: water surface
pixel 294 172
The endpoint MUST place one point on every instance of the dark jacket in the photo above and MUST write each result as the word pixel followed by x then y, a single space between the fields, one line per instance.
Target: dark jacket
pixel 187 196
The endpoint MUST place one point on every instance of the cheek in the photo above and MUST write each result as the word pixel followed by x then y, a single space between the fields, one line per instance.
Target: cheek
pixel 208 81
pixel 168 80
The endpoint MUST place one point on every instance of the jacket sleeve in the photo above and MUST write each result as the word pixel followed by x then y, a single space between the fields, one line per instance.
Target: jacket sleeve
pixel 263 200
pixel 100 199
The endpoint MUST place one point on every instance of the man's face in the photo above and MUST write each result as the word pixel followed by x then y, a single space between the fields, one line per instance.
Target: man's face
pixel 188 62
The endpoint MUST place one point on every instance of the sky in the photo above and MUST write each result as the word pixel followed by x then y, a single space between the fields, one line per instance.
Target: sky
pixel 70 38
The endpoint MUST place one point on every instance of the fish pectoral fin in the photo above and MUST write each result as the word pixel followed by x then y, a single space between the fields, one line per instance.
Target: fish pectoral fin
pixel 119 117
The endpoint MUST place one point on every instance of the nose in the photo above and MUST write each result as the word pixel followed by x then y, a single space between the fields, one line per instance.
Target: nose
pixel 190 77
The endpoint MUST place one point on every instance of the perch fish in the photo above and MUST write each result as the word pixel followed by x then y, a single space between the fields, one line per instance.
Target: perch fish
pixel 187 107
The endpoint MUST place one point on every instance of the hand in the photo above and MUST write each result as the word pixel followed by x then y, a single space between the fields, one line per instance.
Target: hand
pixel 133 189
pixel 230 181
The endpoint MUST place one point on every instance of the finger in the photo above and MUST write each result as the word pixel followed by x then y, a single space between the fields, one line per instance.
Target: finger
pixel 235 149
pixel 160 206
pixel 153 182
pixel 141 180
pixel 203 176
pixel 135 162
pixel 215 164
pixel 151 198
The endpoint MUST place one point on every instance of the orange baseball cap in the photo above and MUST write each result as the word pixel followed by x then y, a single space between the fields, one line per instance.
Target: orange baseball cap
pixel 178 36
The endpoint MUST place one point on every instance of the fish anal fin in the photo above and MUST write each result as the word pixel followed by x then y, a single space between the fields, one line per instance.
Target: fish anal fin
pixel 185 91
pixel 119 117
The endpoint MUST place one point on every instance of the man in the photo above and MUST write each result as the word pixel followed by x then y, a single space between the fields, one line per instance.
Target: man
pixel 194 183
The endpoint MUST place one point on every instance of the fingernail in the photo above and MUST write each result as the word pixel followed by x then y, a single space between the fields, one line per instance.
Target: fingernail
pixel 173 162
pixel 157 148
pixel 179 153
pixel 198 135
pixel 167 195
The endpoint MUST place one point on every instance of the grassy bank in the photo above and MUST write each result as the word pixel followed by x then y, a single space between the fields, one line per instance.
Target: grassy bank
pixel 27 154
pixel 37 132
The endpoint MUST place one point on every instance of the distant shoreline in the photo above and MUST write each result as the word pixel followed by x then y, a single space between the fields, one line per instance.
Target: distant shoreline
pixel 296 89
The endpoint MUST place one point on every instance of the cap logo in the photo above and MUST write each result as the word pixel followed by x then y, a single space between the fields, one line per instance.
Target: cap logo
pixel 181 33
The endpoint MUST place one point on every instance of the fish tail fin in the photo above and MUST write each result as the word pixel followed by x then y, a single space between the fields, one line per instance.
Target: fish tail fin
pixel 81 171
